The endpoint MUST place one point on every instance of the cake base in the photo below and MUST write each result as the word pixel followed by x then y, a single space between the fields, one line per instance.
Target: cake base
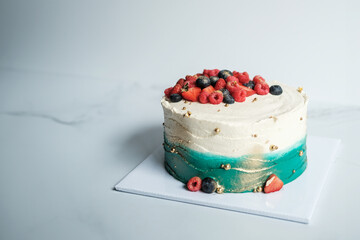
pixel 295 202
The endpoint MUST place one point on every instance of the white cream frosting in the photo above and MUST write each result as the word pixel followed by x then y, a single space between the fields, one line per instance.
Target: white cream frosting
pixel 250 127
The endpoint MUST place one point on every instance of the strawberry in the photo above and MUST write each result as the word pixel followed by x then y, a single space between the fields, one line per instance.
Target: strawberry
pixel 216 97
pixel 168 91
pixel 239 95
pixel 191 94
pixel 176 89
pixel 273 184
pixel 190 78
pixel 208 90
pixel 232 84
pixel 189 84
pixel 181 81
pixel 258 79
pixel 248 91
pixel 242 77
pixel 211 73
pixel 220 84
pixel 203 97
pixel 261 88
pixel 194 184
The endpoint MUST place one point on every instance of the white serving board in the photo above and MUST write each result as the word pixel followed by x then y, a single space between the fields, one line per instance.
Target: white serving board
pixel 296 201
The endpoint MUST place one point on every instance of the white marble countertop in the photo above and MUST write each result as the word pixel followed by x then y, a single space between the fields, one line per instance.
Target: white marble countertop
pixel 65 144
pixel 80 89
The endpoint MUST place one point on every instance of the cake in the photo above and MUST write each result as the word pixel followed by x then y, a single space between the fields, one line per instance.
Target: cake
pixel 226 133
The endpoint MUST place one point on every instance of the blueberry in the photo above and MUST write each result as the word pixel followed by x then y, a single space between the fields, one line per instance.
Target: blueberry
pixel 202 82
pixel 208 185
pixel 250 84
pixel 276 90
pixel 225 91
pixel 228 99
pixel 213 80
pixel 175 97
pixel 224 74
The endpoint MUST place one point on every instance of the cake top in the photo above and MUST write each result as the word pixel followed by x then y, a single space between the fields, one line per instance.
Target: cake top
pixel 231 96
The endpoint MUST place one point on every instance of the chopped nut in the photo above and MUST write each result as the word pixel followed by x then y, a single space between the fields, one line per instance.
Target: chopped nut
pixel 184 108
pixel 255 99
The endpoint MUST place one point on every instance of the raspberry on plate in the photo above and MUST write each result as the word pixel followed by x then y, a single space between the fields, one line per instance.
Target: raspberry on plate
pixel 203 97
pixel 194 184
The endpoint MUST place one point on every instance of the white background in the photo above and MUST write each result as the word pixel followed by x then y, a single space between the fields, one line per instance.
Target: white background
pixel 80 85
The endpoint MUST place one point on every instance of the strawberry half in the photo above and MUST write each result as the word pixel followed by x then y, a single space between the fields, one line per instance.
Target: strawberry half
pixel 273 184
pixel 208 90
pixel 248 91
pixel 176 89
pixel 191 94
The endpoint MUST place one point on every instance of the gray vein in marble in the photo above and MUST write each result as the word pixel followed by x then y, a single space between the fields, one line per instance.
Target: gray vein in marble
pixel 45 116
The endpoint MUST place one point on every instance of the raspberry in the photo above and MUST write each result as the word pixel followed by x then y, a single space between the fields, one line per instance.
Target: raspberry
pixel 190 78
pixel 194 184
pixel 181 81
pixel 220 84
pixel 189 84
pixel 216 97
pixel 232 85
pixel 211 73
pixel 203 97
pixel 258 79
pixel 167 91
pixel 239 95
pixel 262 88
pixel 176 89
pixel 232 78
pixel 242 77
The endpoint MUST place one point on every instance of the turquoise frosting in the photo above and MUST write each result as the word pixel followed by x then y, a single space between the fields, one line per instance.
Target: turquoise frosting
pixel 246 173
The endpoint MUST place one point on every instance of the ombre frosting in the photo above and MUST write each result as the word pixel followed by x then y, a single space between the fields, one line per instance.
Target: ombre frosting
pixel 258 137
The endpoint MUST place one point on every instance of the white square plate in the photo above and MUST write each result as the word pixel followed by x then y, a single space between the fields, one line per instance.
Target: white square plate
pixel 296 201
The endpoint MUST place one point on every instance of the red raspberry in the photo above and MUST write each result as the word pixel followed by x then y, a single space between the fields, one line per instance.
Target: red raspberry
pixel 258 79
pixel 220 84
pixel 239 95
pixel 181 81
pixel 232 85
pixel 203 97
pixel 242 77
pixel 189 84
pixel 216 97
pixel 194 184
pixel 168 91
pixel 176 89
pixel 190 78
pixel 211 73
pixel 262 88
pixel 232 78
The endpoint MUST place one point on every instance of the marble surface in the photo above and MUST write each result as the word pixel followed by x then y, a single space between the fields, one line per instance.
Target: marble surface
pixel 65 143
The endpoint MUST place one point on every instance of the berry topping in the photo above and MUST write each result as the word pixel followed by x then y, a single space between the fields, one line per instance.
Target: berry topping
pixel 250 84
pixel 224 74
pixel 273 184
pixel 175 97
pixel 239 95
pixel 191 94
pixel 189 84
pixel 216 97
pixel 220 84
pixel 228 99
pixel 167 91
pixel 248 91
pixel 213 80
pixel 208 90
pixel 194 184
pixel 258 79
pixel 243 77
pixel 211 73
pixel 276 90
pixel 261 88
pixel 203 97
pixel 225 91
pixel 191 78
pixel 203 82
pixel 176 89
pixel 232 84
pixel 208 185
pixel 181 81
